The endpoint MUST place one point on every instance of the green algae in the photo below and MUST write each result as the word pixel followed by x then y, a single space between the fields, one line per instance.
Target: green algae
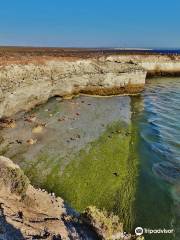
pixel 102 174
pixel 3 150
pixel 125 200
pixel 95 169
pixel 91 171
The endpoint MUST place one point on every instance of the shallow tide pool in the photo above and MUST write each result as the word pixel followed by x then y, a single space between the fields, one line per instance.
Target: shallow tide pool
pixel 119 153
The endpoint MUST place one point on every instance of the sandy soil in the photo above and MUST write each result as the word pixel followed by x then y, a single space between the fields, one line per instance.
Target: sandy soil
pixel 24 55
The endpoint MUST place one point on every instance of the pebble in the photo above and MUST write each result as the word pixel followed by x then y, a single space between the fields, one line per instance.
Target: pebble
pixel 37 129
pixel 115 174
pixel 31 141
pixel 68 97
pixel 59 99
pixel 61 119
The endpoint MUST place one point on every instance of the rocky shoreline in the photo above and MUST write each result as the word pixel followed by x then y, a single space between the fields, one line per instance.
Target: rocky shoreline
pixel 24 84
pixel 28 213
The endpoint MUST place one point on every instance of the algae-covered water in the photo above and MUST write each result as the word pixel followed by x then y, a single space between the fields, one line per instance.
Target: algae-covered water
pixel 117 153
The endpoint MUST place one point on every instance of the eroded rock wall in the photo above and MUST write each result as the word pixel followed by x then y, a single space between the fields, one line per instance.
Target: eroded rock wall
pixel 26 84
pixel 25 212
pixel 153 64
pixel 23 86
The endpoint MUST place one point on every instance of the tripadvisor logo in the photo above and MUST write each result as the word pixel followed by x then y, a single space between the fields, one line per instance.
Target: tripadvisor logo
pixel 140 231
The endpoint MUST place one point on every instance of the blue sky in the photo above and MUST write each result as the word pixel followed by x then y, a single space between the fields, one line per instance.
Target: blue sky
pixel 90 23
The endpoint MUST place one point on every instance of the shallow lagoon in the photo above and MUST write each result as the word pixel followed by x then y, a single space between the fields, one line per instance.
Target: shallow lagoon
pixel 118 153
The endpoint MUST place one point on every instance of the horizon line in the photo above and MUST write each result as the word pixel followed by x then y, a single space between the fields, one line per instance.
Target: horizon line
pixel 90 47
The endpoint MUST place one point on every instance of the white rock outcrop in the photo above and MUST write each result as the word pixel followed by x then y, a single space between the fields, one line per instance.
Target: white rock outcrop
pixel 25 85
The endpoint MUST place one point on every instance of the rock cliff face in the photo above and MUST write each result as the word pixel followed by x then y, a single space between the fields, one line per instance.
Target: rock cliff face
pixel 24 211
pixel 24 86
pixel 153 64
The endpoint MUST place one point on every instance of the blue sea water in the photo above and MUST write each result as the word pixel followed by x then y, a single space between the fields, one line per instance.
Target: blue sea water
pixel 158 192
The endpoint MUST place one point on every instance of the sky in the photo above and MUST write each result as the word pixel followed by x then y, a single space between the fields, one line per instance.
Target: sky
pixel 90 23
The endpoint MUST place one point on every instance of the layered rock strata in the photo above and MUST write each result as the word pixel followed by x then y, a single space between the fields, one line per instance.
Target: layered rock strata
pixel 23 86
pixel 154 65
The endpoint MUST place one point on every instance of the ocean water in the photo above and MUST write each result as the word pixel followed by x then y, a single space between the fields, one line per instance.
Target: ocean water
pixel 167 51
pixel 144 51
pixel 157 115
pixel 121 154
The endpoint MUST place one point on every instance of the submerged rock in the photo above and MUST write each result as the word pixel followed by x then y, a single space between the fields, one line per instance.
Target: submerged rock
pixel 37 129
pixel 31 141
